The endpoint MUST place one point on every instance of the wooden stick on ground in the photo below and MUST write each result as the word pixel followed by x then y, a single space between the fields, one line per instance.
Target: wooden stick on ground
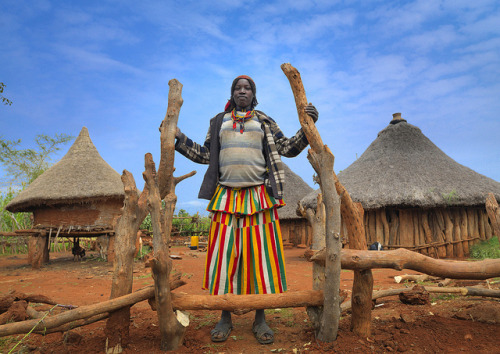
pixel 466 291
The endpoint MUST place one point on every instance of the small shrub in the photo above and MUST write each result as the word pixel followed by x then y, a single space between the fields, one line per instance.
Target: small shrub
pixel 486 249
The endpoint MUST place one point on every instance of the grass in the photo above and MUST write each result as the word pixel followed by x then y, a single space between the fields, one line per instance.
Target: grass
pixel 207 320
pixel 486 249
pixel 444 297
pixel 143 276
pixel 284 315
pixel 213 346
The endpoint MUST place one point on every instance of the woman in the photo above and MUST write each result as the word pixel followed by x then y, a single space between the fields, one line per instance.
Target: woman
pixel 244 183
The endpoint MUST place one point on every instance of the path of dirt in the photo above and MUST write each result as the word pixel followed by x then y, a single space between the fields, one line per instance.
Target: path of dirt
pixel 448 324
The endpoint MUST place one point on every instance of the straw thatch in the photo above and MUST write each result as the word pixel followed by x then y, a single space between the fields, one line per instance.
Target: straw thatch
pixel 295 190
pixel 415 196
pixel 403 168
pixel 80 176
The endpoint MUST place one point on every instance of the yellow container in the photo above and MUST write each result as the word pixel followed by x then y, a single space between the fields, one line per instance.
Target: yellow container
pixel 194 241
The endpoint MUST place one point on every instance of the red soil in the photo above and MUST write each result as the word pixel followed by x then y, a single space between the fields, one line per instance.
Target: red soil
pixel 459 324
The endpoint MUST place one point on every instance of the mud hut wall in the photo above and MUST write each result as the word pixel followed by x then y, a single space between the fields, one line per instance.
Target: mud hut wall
pixel 100 214
pixel 296 231
pixel 439 232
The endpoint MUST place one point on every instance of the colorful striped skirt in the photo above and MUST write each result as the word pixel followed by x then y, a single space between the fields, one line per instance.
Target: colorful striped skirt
pixel 245 250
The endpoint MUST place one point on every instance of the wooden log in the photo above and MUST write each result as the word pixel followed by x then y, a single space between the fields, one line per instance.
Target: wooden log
pixel 467 291
pixel 84 312
pixel 401 258
pixel 322 159
pixel 231 302
pixel 493 212
pixel 445 282
pixel 179 301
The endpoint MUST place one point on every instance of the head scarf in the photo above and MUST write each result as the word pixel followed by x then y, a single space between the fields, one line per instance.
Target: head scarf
pixel 230 105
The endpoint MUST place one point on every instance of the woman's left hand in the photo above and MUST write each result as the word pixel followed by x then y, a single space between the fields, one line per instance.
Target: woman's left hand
pixel 312 112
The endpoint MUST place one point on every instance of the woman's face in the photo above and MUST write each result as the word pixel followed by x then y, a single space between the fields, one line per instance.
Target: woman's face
pixel 243 95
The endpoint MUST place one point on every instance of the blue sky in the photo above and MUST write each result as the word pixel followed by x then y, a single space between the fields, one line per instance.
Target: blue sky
pixel 106 65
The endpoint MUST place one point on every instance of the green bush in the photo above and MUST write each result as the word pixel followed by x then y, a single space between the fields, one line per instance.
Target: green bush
pixel 486 249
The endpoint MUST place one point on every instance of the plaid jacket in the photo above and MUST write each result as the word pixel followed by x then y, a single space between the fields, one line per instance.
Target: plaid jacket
pixel 275 145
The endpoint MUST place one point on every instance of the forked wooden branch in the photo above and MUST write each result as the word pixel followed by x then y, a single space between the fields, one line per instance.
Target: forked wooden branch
pixel 322 159
pixel 171 330
pixel 401 258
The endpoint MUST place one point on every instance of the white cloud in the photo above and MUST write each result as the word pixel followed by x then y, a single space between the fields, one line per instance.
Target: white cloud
pixel 87 60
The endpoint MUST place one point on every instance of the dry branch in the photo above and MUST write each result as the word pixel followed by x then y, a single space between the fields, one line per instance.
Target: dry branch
pixel 321 158
pixel 465 291
pixel 404 259
pixel 493 213
pixel 82 312
pixel 7 300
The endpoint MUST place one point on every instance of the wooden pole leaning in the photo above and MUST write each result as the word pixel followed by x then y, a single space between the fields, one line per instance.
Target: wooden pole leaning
pixel 322 159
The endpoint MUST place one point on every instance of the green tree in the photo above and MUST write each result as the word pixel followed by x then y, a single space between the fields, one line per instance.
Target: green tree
pixel 5 100
pixel 22 166
pixel 12 221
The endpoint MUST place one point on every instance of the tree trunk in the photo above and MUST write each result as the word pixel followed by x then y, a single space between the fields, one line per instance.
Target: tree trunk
pixel 321 158
pixel 134 212
pixel 172 332
pixel 37 250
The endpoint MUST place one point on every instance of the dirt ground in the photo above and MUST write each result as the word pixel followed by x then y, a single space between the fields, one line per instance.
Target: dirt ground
pixel 449 324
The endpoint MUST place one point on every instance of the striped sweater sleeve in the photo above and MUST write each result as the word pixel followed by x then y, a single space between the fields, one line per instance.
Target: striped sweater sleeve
pixel 194 151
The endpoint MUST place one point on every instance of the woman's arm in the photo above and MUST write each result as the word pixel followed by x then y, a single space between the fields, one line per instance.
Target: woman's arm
pixel 291 147
pixel 193 151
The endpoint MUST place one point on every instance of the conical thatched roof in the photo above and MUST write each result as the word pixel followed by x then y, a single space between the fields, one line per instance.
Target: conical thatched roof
pixel 403 168
pixel 81 175
pixel 295 190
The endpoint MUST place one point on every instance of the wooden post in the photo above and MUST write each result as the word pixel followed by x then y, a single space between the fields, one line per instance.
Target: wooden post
pixel 134 211
pixel 322 159
pixel 36 250
pixel 172 331
pixel 493 213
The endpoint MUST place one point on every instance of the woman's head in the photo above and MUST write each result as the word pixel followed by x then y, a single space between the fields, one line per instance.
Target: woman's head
pixel 243 92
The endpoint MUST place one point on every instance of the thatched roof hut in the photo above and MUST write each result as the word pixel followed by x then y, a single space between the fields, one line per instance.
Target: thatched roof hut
pixel 295 229
pixel 415 196
pixel 80 191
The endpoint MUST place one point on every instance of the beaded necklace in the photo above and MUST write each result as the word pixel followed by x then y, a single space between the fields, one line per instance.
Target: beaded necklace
pixel 238 118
